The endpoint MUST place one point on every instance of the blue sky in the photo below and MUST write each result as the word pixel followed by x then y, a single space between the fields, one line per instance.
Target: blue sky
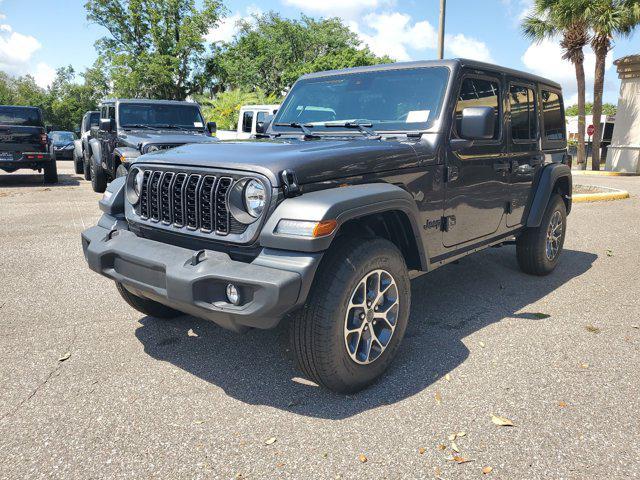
pixel 38 36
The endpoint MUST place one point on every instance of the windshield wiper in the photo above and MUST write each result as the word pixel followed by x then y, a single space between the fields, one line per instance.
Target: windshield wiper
pixel 364 127
pixel 305 128
pixel 137 125
pixel 169 126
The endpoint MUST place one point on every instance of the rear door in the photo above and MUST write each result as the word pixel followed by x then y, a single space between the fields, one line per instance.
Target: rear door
pixel 525 153
pixel 21 130
pixel 477 183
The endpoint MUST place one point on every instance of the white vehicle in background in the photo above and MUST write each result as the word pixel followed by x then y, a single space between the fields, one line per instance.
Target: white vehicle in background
pixel 249 117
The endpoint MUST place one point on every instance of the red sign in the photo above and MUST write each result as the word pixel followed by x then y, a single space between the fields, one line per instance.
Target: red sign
pixel 591 130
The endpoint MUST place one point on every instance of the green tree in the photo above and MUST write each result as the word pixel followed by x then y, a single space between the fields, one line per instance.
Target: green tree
pixel 225 107
pixel 155 48
pixel 607 109
pixel 563 18
pixel 607 19
pixel 270 52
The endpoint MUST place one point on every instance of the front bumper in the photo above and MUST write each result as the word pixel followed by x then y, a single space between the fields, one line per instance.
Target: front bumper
pixel 194 281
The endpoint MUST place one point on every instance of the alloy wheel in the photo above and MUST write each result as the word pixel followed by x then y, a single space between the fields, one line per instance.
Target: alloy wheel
pixel 554 235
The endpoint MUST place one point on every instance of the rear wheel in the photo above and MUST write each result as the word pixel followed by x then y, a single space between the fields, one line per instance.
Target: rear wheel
pixel 355 317
pixel 98 176
pixel 146 306
pixel 78 164
pixel 538 249
pixel 51 172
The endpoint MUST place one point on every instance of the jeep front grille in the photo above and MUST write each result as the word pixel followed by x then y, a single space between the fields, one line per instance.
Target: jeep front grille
pixel 194 201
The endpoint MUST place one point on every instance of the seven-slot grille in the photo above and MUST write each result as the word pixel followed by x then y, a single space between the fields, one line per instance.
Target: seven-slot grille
pixel 196 201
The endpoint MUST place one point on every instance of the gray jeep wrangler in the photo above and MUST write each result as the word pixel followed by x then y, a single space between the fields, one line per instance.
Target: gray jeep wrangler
pixel 365 177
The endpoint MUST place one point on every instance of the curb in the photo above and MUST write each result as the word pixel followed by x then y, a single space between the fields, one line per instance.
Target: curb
pixel 600 197
pixel 602 173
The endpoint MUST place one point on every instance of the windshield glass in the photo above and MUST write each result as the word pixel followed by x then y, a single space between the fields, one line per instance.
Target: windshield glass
pixel 62 137
pixel 94 119
pixel 23 116
pixel 158 115
pixel 393 100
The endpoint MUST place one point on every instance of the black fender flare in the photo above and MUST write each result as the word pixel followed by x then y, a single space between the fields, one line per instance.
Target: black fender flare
pixel 95 152
pixel 545 187
pixel 340 204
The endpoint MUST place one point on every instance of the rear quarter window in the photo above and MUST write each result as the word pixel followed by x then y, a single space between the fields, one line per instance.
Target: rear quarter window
pixel 553 115
pixel 23 116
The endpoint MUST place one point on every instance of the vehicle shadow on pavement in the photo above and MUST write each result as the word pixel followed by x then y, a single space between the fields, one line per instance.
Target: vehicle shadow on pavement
pixel 16 180
pixel 448 305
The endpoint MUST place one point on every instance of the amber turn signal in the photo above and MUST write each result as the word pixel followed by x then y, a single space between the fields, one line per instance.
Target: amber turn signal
pixel 324 228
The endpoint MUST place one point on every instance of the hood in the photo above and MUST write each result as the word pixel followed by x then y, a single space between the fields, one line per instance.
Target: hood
pixel 63 144
pixel 312 160
pixel 141 138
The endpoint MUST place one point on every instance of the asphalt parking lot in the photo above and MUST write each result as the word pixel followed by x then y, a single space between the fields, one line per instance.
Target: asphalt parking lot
pixel 138 397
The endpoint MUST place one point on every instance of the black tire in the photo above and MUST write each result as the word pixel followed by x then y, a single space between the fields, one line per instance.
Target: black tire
pixel 318 333
pixel 532 251
pixel 51 172
pixel 146 306
pixel 78 164
pixel 98 176
pixel 86 166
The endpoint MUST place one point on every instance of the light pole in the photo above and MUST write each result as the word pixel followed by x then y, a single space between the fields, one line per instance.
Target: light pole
pixel 443 6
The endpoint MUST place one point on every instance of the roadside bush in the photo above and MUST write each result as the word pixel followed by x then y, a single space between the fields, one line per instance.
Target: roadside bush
pixel 224 108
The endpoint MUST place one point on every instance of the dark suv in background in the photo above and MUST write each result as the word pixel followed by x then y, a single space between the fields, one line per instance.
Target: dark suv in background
pixel 89 120
pixel 129 128
pixel 24 142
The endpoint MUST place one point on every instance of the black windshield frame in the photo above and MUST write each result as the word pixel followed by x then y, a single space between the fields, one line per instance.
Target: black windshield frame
pixel 293 107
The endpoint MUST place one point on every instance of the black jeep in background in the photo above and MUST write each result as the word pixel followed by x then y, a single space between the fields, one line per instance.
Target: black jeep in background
pixel 24 142
pixel 368 176
pixel 129 128
pixel 90 120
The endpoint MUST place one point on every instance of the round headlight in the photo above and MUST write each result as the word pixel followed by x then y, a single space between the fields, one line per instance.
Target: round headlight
pixel 153 148
pixel 255 198
pixel 134 185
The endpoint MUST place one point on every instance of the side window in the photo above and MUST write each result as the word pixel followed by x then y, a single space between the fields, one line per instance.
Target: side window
pixel 523 113
pixel 554 128
pixel 247 120
pixel 479 92
pixel 260 116
pixel 104 112
pixel 112 112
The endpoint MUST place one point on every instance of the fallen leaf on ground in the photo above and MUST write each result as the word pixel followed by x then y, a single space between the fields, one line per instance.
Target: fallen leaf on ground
pixel 437 472
pixel 635 326
pixel 438 396
pixel 452 437
pixel 270 441
pixel 191 333
pixel 584 365
pixel 502 421
pixel 481 344
pixel 487 470
pixel 199 422
pixel 592 329
pixel 421 450
pixel 541 316
pixel 609 252
pixel 362 458
pixel 459 459
pixel 280 465
pixel 442 447
pixel 461 434
pixel 454 447
pixel 65 357
pixel 447 377
pixel 562 404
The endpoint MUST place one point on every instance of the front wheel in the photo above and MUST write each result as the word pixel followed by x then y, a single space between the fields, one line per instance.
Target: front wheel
pixel 98 176
pixel 538 249
pixel 355 317
pixel 86 166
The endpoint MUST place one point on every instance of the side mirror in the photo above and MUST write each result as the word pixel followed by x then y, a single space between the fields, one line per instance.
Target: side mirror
pixel 478 123
pixel 106 124
pixel 212 127
pixel 263 126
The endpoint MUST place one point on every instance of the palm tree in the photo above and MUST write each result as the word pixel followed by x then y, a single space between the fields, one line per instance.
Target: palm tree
pixel 607 19
pixel 563 18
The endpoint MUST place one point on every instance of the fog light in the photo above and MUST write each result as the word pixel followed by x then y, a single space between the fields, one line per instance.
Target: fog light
pixel 233 295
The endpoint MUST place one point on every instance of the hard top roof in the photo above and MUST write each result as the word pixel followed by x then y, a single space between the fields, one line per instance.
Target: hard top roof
pixel 146 101
pixel 452 63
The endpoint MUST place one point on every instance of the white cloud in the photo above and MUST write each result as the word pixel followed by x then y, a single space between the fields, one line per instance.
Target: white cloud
pixel 466 47
pixel 16 49
pixel 348 9
pixel 545 59
pixel 44 74
pixel 392 33
pixel 228 26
